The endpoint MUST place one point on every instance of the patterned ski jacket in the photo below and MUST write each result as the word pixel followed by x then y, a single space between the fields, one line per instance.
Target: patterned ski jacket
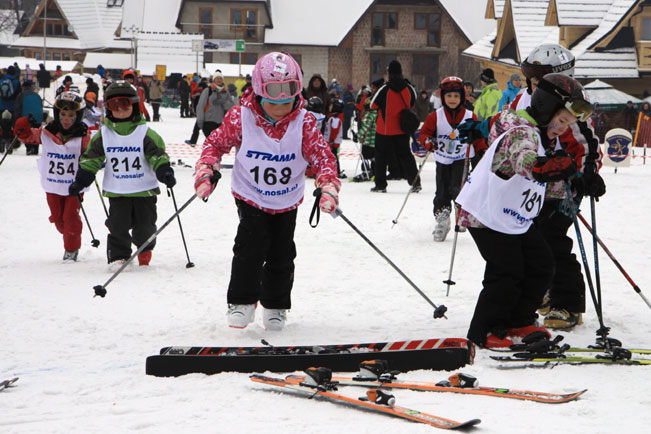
pixel 315 150
pixel 516 155
pixel 366 132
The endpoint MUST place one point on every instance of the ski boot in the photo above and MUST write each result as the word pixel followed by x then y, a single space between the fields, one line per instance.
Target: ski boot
pixel 442 225
pixel 240 315
pixel 274 319
pixel 562 319
pixel 70 256
pixel 144 258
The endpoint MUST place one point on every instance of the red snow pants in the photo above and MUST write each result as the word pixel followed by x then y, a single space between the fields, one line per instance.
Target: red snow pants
pixel 65 216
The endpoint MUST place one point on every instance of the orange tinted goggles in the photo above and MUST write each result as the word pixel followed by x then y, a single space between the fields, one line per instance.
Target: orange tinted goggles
pixel 119 103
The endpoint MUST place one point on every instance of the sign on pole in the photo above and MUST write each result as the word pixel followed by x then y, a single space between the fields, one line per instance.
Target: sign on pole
pixel 618 148
pixel 197 45
pixel 228 45
pixel 161 72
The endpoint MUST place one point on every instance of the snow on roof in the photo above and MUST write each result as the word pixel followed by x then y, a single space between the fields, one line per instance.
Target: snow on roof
pixel 498 6
pixel 581 12
pixel 529 22
pixel 51 42
pixel 108 60
pixel 617 10
pixel 149 16
pixel 469 16
pixel 618 63
pixel 171 49
pixel 312 22
pixel 93 21
pixel 50 65
pixel 603 93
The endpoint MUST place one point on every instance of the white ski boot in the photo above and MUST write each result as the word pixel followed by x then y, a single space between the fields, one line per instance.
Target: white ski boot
pixel 240 315
pixel 442 225
pixel 274 319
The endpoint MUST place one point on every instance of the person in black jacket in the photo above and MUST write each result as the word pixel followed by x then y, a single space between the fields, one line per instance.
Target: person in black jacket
pixel 390 100
pixel 91 86
pixel 184 93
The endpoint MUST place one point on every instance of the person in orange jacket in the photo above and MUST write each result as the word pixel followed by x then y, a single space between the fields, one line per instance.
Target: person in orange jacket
pixel 130 77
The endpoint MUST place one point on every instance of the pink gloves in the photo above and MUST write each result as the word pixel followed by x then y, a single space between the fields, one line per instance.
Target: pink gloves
pixel 329 196
pixel 203 186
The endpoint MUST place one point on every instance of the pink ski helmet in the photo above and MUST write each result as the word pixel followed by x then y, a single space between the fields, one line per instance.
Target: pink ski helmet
pixel 277 76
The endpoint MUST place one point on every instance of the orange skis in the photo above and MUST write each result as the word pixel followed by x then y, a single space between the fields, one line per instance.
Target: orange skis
pixel 368 402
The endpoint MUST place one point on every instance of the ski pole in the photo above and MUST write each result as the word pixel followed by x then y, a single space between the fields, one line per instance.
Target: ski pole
pixel 420 169
pixel 615 261
pixel 95 241
pixel 439 311
pixel 603 330
pixel 466 167
pixel 596 253
pixel 101 289
pixel 11 146
pixel 101 198
pixel 190 264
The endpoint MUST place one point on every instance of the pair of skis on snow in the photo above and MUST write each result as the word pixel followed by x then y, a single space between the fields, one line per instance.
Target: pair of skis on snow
pixel 375 375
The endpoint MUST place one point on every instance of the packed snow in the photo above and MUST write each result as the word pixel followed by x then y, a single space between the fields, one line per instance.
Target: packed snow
pixel 81 359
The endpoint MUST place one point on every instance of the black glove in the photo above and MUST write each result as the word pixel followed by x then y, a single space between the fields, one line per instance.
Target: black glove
pixel 75 188
pixel 83 179
pixel 77 130
pixel 53 127
pixel 557 167
pixel 590 183
pixel 471 130
pixel 165 174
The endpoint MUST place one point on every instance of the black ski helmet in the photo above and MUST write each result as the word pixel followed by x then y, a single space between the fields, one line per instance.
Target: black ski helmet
pixel 71 101
pixel 314 104
pixel 554 92
pixel 337 105
pixel 123 89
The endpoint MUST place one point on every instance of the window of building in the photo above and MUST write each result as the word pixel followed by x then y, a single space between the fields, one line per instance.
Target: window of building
pixel 56 56
pixel 38 55
pixel 425 71
pixel 646 29
pixel 432 24
pixel 239 20
pixel 205 22
pixel 247 58
pixel 381 22
pixel 66 56
pixel 379 64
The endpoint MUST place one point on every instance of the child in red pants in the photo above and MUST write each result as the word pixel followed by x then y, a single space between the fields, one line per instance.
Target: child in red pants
pixel 63 140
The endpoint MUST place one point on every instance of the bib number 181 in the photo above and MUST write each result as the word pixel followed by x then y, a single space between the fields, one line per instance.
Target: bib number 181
pixel 530 200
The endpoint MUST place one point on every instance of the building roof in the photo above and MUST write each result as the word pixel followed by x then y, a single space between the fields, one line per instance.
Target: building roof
pixel 92 21
pixel 580 12
pixel 530 31
pixel 149 16
pixel 469 17
pixel 603 93
pixel 313 22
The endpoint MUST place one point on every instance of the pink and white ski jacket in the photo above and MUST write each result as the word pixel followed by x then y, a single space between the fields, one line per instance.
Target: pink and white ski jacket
pixel 315 150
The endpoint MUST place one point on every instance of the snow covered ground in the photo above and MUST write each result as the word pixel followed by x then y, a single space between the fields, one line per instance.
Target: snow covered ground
pixel 81 359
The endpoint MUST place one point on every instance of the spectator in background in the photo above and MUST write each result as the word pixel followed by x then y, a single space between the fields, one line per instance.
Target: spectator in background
pixel 349 109
pixel 9 90
pixel 390 100
pixel 67 82
pixel 58 73
pixel 184 93
pixel 17 70
pixel 487 105
pixel 513 87
pixel 232 89
pixel 317 87
pixel 423 107
pixel 599 122
pixel 469 103
pixel 195 130
pixel 43 77
pixel 247 88
pixel 156 96
pixel 630 117
pixel 29 73
pixel 100 71
pixel 334 88
pixel 130 77
pixel 107 80
pixel 30 105
pixel 646 109
pixel 213 104
pixel 239 84
pixel 91 86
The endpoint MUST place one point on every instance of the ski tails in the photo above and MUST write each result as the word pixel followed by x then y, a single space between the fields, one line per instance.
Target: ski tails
pixel 8 383
pixel 366 402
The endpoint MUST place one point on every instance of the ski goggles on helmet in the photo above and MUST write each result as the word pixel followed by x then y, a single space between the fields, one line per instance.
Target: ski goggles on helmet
pixel 580 108
pixel 119 103
pixel 452 86
pixel 66 104
pixel 280 89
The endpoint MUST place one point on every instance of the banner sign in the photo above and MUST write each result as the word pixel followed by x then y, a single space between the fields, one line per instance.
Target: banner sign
pixel 228 45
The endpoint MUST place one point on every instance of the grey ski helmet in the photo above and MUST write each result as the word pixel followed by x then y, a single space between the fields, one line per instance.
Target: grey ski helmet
pixel 548 59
